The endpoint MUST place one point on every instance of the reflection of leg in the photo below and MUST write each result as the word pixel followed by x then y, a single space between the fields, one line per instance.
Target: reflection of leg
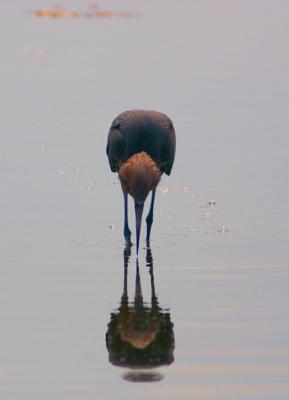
pixel 126 231
pixel 149 258
pixel 154 297
pixel 149 263
pixel 126 255
pixel 150 216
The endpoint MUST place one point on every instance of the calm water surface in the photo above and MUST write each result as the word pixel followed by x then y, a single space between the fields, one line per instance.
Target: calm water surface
pixel 208 306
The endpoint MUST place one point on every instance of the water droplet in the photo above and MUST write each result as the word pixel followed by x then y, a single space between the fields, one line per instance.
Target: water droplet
pixel 112 226
pixel 39 53
pixel 63 171
pixel 211 204
pixel 222 230
pixel 193 230
pixel 207 216
pixel 165 189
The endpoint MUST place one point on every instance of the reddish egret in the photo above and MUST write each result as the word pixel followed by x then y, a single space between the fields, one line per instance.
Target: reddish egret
pixel 140 147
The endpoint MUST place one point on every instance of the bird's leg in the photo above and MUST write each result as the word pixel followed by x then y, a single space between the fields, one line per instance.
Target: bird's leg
pixel 126 230
pixel 150 217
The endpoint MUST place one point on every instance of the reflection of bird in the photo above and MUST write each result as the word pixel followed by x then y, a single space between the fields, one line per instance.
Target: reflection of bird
pixel 140 335
pixel 140 147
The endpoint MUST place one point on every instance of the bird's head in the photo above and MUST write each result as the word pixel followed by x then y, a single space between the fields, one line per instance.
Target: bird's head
pixel 138 176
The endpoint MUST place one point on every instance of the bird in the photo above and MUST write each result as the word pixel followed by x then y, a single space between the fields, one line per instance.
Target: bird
pixel 141 146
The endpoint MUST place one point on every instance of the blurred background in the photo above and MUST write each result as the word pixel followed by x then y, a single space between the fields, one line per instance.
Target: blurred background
pixel 219 70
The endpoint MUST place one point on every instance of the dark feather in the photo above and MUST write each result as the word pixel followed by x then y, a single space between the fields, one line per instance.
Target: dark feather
pixel 138 130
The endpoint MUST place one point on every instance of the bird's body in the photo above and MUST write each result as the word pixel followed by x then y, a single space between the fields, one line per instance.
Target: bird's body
pixel 137 130
pixel 140 147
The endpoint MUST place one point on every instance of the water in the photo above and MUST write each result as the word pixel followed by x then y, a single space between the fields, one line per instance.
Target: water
pixel 219 251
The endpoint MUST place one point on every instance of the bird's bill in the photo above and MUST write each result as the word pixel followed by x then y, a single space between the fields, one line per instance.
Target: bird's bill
pixel 138 216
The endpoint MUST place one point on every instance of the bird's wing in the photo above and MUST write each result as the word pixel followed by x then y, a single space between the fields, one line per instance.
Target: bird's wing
pixel 168 151
pixel 115 146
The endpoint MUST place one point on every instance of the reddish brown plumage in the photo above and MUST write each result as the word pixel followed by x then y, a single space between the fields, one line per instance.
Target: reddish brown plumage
pixel 139 175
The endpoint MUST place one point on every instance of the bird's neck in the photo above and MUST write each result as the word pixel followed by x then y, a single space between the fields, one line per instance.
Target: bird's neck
pixel 139 175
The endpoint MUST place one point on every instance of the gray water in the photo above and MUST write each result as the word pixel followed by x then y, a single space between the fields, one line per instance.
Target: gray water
pixel 219 246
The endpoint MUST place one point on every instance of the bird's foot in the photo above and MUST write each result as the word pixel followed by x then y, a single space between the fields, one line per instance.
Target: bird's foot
pixel 148 243
pixel 127 252
pixel 128 243
pixel 148 235
pixel 127 236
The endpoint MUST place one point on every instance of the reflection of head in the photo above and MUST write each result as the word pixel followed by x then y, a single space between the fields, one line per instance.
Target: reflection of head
pixel 140 341
pixel 142 376
pixel 140 335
